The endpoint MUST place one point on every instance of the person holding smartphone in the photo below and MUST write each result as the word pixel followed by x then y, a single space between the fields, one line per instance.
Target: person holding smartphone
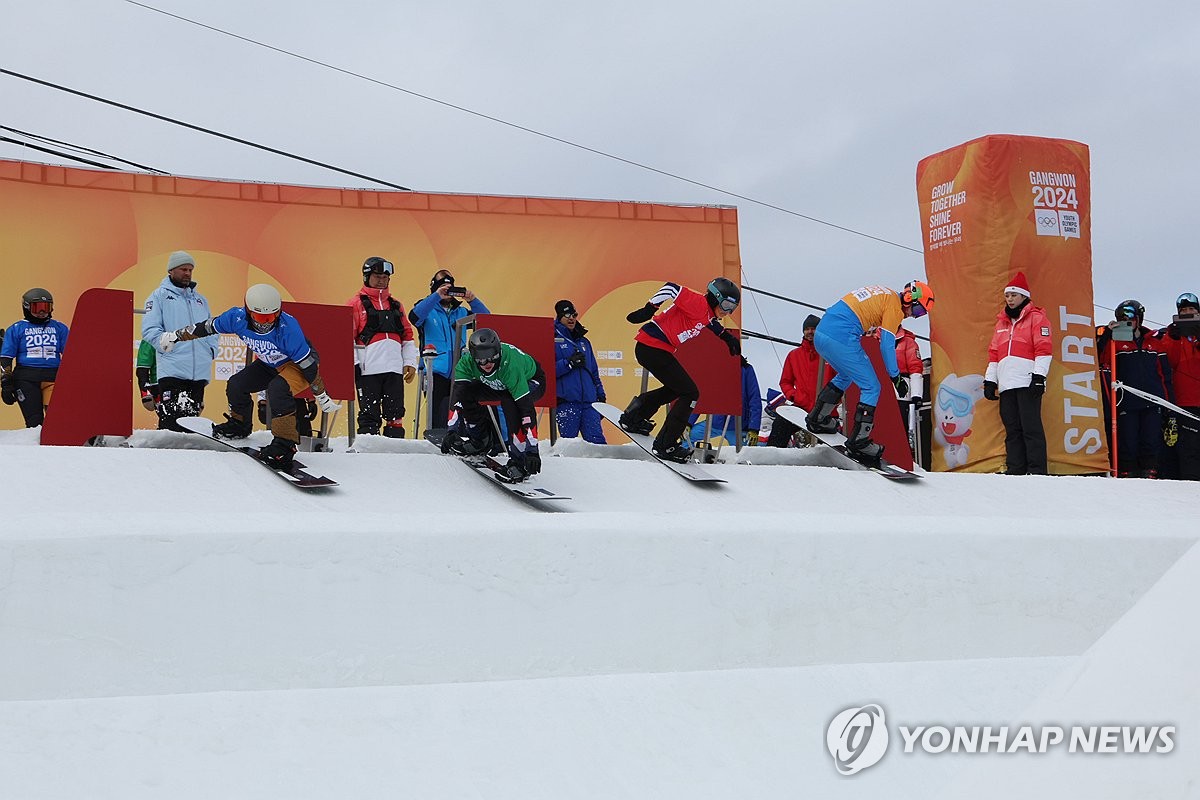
pixel 434 319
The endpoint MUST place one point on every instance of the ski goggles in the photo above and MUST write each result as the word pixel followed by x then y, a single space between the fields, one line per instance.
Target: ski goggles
pixel 727 304
pixel 955 401
pixel 447 280
pixel 1185 299
pixel 382 268
pixel 40 308
pixel 490 361
pixel 263 319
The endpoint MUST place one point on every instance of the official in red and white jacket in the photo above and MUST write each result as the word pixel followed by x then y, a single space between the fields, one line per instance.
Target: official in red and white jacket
pixel 385 352
pixel 908 358
pixel 1018 363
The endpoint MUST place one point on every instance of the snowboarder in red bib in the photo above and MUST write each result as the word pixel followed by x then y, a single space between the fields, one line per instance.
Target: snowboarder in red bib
pixel 690 313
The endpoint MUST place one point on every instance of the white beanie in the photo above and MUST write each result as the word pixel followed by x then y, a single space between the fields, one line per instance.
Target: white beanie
pixel 180 258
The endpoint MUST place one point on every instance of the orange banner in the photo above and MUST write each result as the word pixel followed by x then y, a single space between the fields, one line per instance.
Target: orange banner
pixel 989 208
pixel 67 230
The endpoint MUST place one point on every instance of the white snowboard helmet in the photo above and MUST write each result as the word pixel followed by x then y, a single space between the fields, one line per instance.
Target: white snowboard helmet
pixel 262 307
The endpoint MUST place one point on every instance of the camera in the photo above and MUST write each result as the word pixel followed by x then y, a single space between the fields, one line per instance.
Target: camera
pixel 1187 325
pixel 1123 330
pixel 457 291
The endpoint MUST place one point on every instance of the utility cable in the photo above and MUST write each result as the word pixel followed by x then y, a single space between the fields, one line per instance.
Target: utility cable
pixel 80 149
pixel 519 127
pixel 208 131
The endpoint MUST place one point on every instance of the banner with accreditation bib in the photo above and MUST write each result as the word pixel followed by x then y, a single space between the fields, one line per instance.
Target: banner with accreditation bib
pixel 990 208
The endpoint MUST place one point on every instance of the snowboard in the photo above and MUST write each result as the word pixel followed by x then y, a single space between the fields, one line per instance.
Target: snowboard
pixel 296 474
pixel 692 472
pixel 837 443
pixel 489 468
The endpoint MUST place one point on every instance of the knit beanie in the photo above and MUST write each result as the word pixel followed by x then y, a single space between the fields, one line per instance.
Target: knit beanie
pixel 179 258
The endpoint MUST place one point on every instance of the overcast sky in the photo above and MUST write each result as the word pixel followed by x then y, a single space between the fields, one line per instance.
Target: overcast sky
pixel 820 108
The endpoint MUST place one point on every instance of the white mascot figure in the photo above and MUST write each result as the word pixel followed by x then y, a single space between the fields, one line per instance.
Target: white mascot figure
pixel 953 413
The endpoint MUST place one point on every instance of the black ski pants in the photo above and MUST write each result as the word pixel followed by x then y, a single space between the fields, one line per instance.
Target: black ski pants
pixel 472 394
pixel 178 398
pixel 256 377
pixel 1188 446
pixel 380 398
pixel 677 388
pixel 1024 437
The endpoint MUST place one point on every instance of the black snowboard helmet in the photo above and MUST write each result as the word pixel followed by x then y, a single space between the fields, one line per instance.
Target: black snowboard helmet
pixel 724 294
pixel 377 266
pixel 37 305
pixel 1131 310
pixel 485 347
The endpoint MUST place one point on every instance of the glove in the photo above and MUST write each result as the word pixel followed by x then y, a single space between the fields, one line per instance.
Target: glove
pixel 533 460
pixel 752 438
pixel 148 399
pixel 576 360
pixel 167 341
pixel 8 390
pixel 917 400
pixel 309 412
pixel 643 314
pixel 1170 430
pixel 731 341
pixel 409 374
pixel 327 403
pixel 601 398
pixel 1038 384
pixel 901 384
pixel 989 390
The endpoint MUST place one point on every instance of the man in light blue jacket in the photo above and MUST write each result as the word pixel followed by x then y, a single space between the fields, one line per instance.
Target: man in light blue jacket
pixel 185 370
pixel 434 319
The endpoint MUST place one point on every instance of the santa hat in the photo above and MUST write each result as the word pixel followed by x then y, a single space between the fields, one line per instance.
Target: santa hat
pixel 1018 284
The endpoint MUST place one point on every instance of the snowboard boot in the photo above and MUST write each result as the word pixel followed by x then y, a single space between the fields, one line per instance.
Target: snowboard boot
pixel 234 427
pixel 820 419
pixel 633 420
pixel 467 440
pixel 859 444
pixel 514 471
pixel 394 429
pixel 280 452
pixel 679 452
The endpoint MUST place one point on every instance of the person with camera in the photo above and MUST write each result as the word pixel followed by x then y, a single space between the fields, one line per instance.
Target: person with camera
pixel 30 357
pixel 385 352
pixel 434 319
pixel 657 340
pixel 1141 364
pixel 1019 357
pixel 494 370
pixel 183 373
pixel 1181 342
pixel 286 365
pixel 577 377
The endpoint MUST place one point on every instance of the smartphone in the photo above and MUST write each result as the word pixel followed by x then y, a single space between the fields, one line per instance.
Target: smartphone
pixel 1123 331
pixel 457 291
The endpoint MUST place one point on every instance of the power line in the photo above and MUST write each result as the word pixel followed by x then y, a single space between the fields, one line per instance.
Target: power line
pixel 519 127
pixel 208 131
pixel 77 148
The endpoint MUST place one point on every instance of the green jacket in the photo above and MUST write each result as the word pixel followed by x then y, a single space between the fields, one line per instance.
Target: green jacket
pixel 513 375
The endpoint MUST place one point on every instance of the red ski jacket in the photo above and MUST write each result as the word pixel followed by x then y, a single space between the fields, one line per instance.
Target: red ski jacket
pixel 688 315
pixel 799 379
pixel 1020 349
pixel 1183 354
